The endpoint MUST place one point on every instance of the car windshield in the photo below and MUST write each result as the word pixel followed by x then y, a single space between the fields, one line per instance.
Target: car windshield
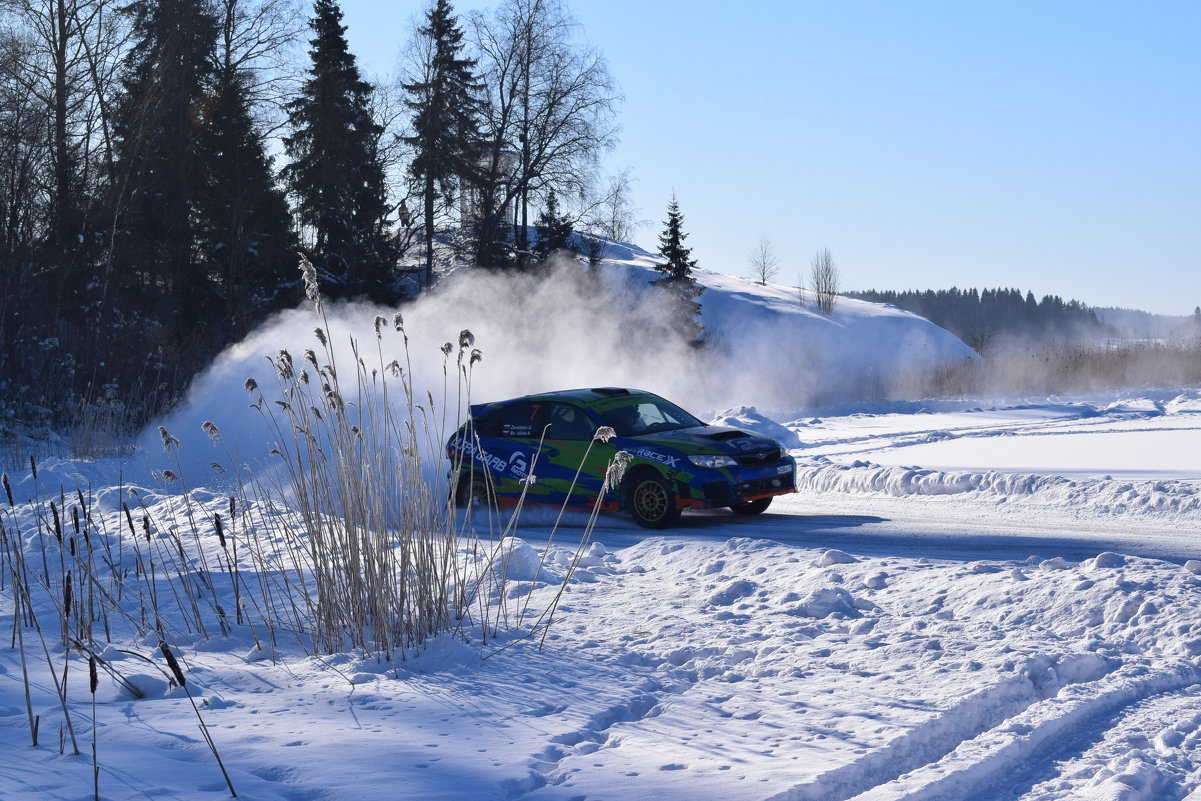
pixel 648 416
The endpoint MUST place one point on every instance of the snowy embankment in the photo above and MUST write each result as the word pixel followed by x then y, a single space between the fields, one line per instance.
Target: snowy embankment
pixel 726 669
pixel 708 663
pixel 1130 457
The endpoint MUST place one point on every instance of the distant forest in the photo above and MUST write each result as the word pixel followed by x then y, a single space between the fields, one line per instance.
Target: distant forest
pixel 998 318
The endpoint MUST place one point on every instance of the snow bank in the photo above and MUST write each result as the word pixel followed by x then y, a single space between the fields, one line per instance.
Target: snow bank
pixel 1148 499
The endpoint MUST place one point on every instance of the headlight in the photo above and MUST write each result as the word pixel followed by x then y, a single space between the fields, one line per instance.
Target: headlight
pixel 712 461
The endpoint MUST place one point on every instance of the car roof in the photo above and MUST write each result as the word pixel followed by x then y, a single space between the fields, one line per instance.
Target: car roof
pixel 584 397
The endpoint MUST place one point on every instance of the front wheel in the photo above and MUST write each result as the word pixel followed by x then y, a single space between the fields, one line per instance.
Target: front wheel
pixel 651 501
pixel 751 507
pixel 472 489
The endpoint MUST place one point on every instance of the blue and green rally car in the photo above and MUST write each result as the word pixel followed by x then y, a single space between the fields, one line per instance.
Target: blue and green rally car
pixel 546 445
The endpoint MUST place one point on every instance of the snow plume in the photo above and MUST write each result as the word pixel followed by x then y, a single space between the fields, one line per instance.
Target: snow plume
pixel 569 326
pixel 556 329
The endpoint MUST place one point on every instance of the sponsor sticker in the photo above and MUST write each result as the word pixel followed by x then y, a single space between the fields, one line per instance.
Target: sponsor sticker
pixel 655 456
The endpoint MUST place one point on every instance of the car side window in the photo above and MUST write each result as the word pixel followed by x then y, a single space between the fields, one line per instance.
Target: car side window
pixel 568 422
pixel 518 420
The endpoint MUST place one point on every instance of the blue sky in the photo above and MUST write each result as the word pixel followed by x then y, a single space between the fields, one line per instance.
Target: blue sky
pixel 1051 146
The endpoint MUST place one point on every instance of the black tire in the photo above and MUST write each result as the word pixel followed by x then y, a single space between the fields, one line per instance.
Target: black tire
pixel 751 507
pixel 470 487
pixel 651 501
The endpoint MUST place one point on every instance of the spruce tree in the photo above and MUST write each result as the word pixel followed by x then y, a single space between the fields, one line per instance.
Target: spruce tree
pixel 245 228
pixel 555 231
pixel 158 130
pixel 445 124
pixel 336 175
pixel 677 275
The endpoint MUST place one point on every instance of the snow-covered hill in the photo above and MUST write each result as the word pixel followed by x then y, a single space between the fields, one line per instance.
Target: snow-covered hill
pixel 860 351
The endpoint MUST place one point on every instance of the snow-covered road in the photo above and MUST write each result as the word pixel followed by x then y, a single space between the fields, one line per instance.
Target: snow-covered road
pixel 893 632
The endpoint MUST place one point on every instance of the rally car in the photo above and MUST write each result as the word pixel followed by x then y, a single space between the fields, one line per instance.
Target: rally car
pixel 546 446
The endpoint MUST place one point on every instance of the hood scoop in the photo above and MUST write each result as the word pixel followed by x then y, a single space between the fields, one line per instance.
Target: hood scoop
pixel 731 434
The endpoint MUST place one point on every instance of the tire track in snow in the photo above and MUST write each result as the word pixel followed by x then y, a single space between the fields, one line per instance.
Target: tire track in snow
pixel 986 759
pixel 988 735
pixel 592 736
pixel 1148 751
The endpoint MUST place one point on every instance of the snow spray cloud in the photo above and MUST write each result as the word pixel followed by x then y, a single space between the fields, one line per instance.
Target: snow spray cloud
pixel 568 327
pixel 560 328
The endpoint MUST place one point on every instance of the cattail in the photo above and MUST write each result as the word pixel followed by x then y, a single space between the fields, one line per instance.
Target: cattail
pixel 75 518
pixel 283 365
pixel 8 491
pixel 171 663
pixel 169 442
pixel 617 467
pixel 68 594
pixel 309 273
pixel 33 467
pixel 58 529
pixel 146 526
pixel 220 529
pixel 93 679
pixel 128 518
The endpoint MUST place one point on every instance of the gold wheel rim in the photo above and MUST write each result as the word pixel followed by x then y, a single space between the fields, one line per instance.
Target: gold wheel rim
pixel 650 499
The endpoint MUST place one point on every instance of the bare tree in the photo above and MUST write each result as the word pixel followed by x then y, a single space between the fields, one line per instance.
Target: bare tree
pixel 72 48
pixel 824 279
pixel 547 116
pixel 258 40
pixel 613 214
pixel 764 262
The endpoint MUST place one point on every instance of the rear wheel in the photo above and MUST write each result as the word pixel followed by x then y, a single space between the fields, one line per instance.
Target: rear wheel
pixel 651 501
pixel 751 507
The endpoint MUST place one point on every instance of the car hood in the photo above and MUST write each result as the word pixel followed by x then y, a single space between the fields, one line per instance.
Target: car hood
pixel 711 440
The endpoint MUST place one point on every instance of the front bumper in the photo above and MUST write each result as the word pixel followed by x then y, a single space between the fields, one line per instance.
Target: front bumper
pixel 744 485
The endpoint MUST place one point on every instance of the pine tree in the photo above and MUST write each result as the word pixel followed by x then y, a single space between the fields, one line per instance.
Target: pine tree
pixel 245 228
pixel 677 277
pixel 336 174
pixel 158 131
pixel 446 127
pixel 554 230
